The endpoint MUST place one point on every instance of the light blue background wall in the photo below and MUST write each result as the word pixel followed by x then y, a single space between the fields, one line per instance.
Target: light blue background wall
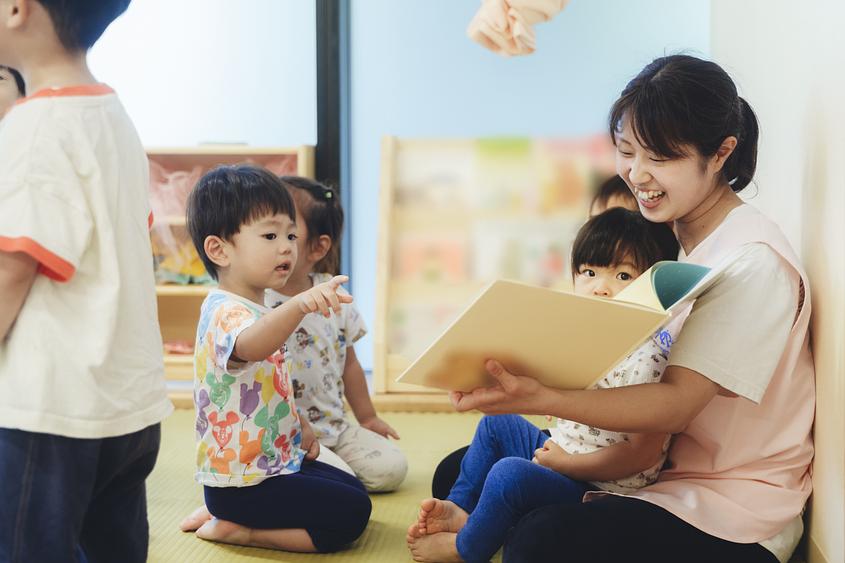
pixel 194 71
pixel 416 74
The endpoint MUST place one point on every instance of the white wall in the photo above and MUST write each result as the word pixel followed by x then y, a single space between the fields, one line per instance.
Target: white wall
pixel 194 71
pixel 789 59
pixel 416 74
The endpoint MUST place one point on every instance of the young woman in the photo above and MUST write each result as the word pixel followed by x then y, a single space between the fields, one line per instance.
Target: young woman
pixel 738 392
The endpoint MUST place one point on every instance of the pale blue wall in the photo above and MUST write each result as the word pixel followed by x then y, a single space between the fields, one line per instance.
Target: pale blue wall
pixel 194 71
pixel 416 74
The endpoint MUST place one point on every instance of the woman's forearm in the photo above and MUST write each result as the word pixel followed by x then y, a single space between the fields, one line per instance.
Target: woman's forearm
pixel 667 406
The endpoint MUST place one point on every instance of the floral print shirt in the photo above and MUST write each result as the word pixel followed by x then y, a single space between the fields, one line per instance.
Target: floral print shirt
pixel 247 426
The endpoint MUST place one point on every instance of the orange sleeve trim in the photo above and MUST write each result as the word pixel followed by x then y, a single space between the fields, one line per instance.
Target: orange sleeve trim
pixel 83 90
pixel 150 220
pixel 50 265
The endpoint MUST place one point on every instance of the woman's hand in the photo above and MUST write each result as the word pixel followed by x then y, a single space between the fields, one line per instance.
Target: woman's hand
pixel 551 455
pixel 377 425
pixel 309 441
pixel 511 394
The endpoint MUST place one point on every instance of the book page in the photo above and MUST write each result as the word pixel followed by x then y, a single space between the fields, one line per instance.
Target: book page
pixel 564 340
pixel 641 291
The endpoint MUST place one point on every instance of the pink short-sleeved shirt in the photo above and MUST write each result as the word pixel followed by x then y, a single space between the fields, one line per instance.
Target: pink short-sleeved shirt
pixel 741 469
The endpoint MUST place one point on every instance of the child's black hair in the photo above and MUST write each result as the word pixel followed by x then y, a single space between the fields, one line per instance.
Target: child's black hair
pixel 320 208
pixel 680 101
pixel 80 23
pixel 614 186
pixel 18 79
pixel 610 237
pixel 228 197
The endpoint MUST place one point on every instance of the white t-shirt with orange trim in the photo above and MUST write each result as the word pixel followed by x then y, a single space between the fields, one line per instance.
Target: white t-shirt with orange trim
pixel 84 357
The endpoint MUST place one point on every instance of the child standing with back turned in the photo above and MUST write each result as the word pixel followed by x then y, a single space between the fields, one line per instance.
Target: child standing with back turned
pixel 82 387
pixel 324 367
pixel 254 452
pixel 512 467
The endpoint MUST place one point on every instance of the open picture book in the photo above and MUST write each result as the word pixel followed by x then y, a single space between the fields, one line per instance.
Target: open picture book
pixel 564 340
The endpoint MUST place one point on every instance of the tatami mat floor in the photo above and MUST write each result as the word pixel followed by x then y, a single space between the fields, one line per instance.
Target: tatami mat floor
pixel 172 493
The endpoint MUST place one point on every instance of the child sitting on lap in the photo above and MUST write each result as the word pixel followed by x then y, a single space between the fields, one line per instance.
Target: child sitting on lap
pixel 512 467
pixel 254 453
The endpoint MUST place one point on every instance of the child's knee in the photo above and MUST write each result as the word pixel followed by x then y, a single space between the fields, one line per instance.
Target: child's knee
pixel 508 475
pixel 492 422
pixel 357 509
pixel 388 474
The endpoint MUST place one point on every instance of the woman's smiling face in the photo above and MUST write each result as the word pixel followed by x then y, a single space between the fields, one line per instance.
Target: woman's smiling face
pixel 666 189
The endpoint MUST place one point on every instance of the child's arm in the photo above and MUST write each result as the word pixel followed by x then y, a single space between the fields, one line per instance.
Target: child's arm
pixel 309 440
pixel 17 274
pixel 272 330
pixel 355 389
pixel 617 461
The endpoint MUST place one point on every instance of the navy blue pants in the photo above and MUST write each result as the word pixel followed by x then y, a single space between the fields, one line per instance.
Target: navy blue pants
pixel 330 504
pixel 70 499
pixel 616 529
pixel 498 484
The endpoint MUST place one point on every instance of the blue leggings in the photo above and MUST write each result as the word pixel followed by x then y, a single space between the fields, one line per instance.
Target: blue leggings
pixel 499 484
pixel 331 505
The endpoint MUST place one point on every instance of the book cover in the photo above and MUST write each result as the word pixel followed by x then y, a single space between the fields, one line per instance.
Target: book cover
pixel 564 340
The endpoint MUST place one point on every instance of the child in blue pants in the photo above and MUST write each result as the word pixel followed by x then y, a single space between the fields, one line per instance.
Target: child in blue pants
pixel 512 467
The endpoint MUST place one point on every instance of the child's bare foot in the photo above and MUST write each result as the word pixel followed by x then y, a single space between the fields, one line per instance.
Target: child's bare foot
pixel 439 547
pixel 440 516
pixel 196 519
pixel 224 531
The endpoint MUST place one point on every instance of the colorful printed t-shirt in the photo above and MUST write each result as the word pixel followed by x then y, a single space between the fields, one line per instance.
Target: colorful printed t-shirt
pixel 317 357
pixel 644 365
pixel 247 425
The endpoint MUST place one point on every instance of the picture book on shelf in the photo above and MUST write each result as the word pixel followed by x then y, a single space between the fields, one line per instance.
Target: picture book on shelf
pixel 564 340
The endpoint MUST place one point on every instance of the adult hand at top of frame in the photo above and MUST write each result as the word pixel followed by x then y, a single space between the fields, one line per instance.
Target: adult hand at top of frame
pixel 324 297
pixel 511 393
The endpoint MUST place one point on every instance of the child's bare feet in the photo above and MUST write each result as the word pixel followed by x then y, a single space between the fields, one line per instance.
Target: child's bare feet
pixel 196 519
pixel 439 547
pixel 440 516
pixel 224 531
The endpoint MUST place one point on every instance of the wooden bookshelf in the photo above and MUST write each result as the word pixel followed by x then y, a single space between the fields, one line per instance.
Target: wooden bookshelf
pixel 455 214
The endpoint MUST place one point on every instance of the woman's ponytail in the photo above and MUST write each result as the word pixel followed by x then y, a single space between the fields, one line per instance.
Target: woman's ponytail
pixel 741 164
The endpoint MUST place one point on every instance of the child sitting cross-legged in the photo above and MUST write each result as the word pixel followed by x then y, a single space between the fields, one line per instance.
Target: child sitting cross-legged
pixel 255 455
pixel 512 467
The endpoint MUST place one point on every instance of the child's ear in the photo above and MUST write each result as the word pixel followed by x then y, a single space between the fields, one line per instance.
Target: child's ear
pixel 16 12
pixel 320 247
pixel 217 250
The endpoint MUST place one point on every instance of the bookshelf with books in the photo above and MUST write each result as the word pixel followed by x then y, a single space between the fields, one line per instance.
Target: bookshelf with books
pixel 456 214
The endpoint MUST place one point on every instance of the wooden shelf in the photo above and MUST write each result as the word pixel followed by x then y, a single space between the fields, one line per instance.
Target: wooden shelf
pixel 179 366
pixel 183 290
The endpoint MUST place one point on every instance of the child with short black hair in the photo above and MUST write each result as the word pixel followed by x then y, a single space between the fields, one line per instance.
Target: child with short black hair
pixel 512 467
pixel 613 192
pixel 324 367
pixel 265 490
